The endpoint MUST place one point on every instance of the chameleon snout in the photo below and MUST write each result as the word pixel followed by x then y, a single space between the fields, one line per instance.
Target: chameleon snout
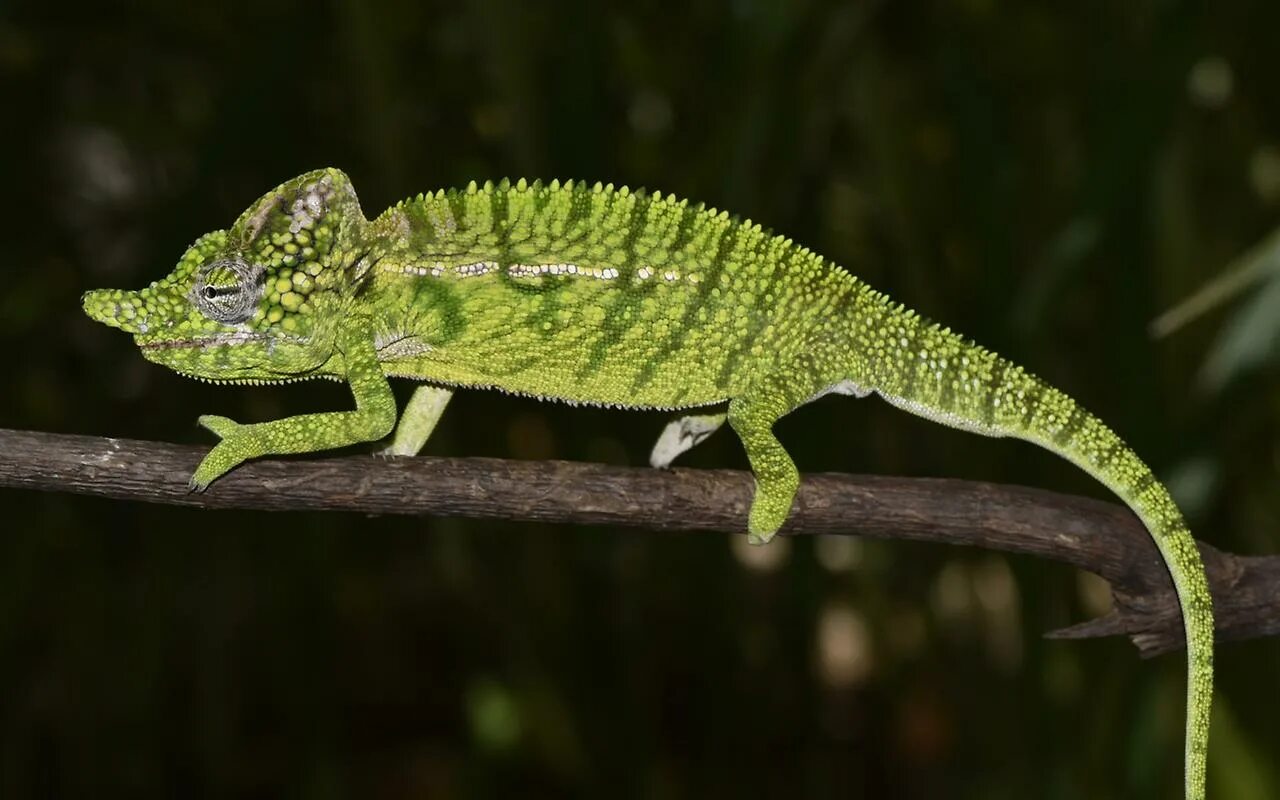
pixel 117 308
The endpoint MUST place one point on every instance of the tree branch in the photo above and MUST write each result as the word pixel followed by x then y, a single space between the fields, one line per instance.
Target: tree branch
pixel 1103 538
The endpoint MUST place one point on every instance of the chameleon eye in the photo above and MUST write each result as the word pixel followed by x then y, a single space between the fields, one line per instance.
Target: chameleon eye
pixel 228 290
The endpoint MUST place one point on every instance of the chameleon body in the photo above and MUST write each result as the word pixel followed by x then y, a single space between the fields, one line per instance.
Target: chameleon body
pixel 591 294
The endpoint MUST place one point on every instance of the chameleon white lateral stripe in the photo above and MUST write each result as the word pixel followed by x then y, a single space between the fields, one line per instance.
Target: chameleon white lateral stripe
pixel 478 268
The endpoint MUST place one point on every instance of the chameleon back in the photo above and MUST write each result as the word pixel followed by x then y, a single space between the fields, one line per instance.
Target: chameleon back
pixel 590 294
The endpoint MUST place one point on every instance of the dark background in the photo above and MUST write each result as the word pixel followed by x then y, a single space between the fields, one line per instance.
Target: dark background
pixel 1044 177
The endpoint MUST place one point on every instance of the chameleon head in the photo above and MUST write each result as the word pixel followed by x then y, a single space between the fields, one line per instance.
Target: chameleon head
pixel 242 303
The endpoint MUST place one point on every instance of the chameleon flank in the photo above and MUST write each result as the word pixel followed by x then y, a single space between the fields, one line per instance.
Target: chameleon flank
pixel 590 294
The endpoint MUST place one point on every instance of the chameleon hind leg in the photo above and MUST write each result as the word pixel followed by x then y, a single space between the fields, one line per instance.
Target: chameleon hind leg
pixel 682 435
pixel 752 415
pixel 419 419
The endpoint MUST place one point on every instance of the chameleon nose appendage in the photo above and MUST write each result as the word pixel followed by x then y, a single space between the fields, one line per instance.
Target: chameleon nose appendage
pixel 118 308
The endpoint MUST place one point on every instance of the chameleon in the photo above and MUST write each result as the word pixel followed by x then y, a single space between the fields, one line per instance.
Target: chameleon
pixel 587 293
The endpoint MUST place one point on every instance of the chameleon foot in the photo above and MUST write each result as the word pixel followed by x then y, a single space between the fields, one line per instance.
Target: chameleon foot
pixel 238 445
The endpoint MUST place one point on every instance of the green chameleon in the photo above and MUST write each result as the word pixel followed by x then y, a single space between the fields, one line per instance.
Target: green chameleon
pixel 591 294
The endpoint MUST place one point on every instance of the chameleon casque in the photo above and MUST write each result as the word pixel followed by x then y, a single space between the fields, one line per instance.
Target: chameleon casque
pixel 590 294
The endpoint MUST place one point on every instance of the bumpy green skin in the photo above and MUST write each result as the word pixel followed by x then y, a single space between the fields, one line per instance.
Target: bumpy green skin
pixel 590 294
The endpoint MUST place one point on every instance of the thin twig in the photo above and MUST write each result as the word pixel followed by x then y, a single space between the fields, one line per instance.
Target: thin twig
pixel 1103 538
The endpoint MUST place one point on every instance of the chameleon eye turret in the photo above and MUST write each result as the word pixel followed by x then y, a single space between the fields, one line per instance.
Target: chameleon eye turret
pixel 589 294
pixel 228 290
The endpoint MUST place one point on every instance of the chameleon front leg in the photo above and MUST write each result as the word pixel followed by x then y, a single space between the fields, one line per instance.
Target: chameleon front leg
pixel 418 420
pixel 373 418
pixel 682 435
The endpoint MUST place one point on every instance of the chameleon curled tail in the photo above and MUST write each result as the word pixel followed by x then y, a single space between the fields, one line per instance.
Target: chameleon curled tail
pixel 985 394
pixel 1094 448
pixel 590 294
pixel 1085 441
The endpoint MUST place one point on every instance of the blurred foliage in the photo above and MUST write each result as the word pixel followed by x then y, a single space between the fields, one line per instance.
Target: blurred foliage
pixel 1250 338
pixel 1045 177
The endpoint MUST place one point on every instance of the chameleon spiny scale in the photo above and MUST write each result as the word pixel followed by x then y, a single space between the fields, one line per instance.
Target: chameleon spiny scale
pixel 588 293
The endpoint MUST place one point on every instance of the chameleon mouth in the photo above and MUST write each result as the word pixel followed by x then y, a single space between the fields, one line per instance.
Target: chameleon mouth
pixel 218 340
